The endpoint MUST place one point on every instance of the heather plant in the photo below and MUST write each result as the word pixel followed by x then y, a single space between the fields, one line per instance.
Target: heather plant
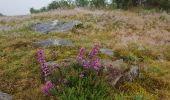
pixel 42 61
pixel 82 79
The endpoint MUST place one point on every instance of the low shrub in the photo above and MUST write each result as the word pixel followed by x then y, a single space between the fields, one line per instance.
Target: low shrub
pixel 84 78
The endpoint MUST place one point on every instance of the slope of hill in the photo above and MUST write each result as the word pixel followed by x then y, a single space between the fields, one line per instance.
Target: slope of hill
pixel 139 38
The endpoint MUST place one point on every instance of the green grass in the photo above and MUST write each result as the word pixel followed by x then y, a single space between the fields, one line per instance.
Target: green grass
pixel 91 86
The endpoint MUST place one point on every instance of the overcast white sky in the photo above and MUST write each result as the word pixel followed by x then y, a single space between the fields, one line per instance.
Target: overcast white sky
pixel 20 7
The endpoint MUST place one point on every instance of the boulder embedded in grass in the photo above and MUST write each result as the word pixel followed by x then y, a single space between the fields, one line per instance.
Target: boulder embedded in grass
pixel 5 96
pixel 53 42
pixel 119 64
pixel 55 26
pixel 130 75
pixel 107 51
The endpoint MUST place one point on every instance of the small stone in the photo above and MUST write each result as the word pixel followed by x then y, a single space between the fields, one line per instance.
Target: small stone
pixel 106 51
pixel 130 75
pixel 119 64
pixel 5 96
pixel 53 42
pixel 51 63
pixel 119 72
pixel 106 63
pixel 161 58
pixel 43 43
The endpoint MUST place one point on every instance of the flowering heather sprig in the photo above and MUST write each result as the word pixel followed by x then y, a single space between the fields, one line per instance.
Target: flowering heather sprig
pixel 96 64
pixel 94 51
pixel 80 55
pixel 85 64
pixel 44 66
pixel 48 85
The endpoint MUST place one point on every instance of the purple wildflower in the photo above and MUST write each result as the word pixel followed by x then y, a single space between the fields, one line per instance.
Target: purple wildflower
pixel 96 64
pixel 80 55
pixel 85 64
pixel 48 85
pixel 42 61
pixel 94 51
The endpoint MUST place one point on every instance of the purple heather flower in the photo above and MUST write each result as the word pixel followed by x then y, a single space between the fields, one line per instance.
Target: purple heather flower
pixel 42 61
pixel 94 51
pixel 96 64
pixel 80 55
pixel 85 63
pixel 48 85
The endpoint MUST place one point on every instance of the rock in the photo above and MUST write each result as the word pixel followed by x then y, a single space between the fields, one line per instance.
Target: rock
pixel 5 96
pixel 51 63
pixel 55 26
pixel 106 51
pixel 133 73
pixel 53 42
pixel 130 75
pixel 106 62
pixel 161 58
pixel 119 64
pixel 119 72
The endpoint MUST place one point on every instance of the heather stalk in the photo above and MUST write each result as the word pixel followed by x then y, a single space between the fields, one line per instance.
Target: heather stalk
pixel 80 55
pixel 96 64
pixel 94 51
pixel 47 87
pixel 43 63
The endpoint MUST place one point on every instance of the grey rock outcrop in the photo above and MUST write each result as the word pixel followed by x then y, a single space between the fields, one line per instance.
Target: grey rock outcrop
pixel 55 26
pixel 130 75
pixel 5 96
pixel 107 51
pixel 120 72
pixel 119 64
pixel 53 42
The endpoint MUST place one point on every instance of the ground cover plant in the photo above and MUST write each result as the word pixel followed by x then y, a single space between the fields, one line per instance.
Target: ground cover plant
pixel 82 79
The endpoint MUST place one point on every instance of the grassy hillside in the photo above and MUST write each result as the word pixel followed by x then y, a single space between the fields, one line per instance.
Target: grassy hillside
pixel 137 37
